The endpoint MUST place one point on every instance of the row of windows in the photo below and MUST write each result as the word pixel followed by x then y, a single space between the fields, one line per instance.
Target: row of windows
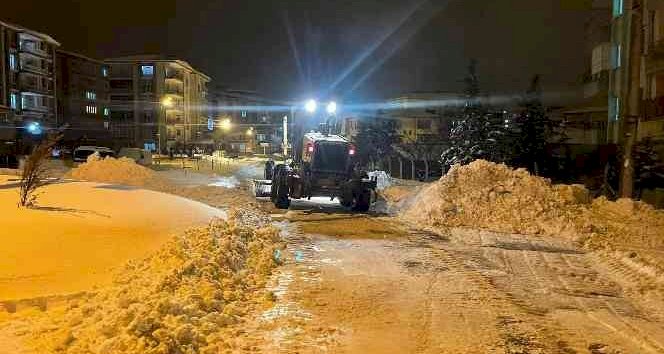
pixel 93 110
pixel 91 95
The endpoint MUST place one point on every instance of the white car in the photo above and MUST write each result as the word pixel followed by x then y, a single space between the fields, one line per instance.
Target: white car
pixel 82 153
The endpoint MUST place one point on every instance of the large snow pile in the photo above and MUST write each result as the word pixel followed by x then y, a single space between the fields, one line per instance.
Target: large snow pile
pixel 180 300
pixel 495 197
pixel 111 170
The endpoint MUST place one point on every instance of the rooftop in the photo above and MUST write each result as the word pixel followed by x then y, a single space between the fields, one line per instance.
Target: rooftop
pixel 155 58
pixel 29 31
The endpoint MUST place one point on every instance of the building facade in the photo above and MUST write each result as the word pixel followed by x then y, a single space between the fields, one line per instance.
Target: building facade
pixel 246 123
pixel 83 98
pixel 157 103
pixel 28 105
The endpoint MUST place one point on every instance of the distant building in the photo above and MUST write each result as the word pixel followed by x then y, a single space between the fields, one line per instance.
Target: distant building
pixel 158 103
pixel 83 99
pixel 27 83
pixel 423 121
pixel 247 123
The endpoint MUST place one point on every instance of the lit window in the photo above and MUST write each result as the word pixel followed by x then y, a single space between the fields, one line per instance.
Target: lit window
pixel 91 109
pixel 614 108
pixel 147 70
pixel 91 95
pixel 104 71
pixel 617 8
pixel 107 112
pixel 12 101
pixel 616 56
pixel 12 61
pixel 244 114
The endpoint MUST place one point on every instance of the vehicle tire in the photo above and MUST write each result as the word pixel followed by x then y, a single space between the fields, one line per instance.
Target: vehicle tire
pixel 362 201
pixel 281 200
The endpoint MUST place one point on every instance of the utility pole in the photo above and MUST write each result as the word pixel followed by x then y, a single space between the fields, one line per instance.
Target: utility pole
pixel 628 126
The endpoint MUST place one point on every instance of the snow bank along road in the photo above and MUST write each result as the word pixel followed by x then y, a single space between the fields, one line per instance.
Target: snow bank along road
pixel 356 284
pixel 81 232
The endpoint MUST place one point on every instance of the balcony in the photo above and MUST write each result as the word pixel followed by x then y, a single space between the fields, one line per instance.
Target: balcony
pixel 29 44
pixel 34 83
pixel 174 75
pixel 174 90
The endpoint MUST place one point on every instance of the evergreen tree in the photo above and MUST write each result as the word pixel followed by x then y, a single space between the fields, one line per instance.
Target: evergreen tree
pixel 535 129
pixel 375 140
pixel 474 133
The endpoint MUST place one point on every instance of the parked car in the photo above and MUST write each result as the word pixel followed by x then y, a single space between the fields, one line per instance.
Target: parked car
pixel 82 153
pixel 141 156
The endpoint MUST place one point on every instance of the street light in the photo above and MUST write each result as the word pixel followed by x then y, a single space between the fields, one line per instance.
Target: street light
pixel 332 108
pixel 311 106
pixel 167 102
pixel 226 124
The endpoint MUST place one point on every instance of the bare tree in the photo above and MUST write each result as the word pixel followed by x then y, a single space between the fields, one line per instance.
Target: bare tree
pixel 36 171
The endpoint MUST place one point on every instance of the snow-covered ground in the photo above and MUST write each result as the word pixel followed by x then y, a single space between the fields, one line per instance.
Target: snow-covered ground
pixel 82 231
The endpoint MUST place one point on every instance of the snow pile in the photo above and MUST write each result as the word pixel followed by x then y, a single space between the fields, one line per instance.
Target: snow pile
pixel 226 182
pixel 180 300
pixel 111 170
pixel 495 197
pixel 625 222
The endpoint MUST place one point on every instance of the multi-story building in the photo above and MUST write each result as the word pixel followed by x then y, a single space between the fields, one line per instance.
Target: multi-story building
pixel 83 99
pixel 246 122
pixel 157 103
pixel 652 124
pixel 27 82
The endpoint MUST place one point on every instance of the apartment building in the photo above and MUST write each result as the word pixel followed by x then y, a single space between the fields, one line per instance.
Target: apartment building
pixel 247 123
pixel 28 104
pixel 157 103
pixel 83 98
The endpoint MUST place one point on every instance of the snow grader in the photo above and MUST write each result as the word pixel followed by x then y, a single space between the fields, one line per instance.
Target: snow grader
pixel 323 166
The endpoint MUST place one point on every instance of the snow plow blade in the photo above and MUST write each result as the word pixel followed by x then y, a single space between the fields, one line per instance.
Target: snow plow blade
pixel 262 188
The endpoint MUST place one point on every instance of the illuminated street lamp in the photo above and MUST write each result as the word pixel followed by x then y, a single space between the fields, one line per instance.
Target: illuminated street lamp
pixel 250 131
pixel 311 106
pixel 226 124
pixel 167 102
pixel 332 108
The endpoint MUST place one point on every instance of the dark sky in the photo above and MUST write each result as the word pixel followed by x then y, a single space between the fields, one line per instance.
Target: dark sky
pixel 245 44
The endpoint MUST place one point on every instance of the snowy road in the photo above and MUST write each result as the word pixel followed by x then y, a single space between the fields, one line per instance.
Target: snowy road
pixel 360 284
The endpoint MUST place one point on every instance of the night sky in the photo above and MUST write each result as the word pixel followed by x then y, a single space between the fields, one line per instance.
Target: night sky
pixel 245 44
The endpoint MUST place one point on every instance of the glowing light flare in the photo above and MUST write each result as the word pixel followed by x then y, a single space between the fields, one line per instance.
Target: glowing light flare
pixel 352 151
pixel 34 128
pixel 332 107
pixel 167 102
pixel 311 106
pixel 310 148
pixel 226 124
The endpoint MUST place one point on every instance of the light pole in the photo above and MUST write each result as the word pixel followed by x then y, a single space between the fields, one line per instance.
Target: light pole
pixel 166 103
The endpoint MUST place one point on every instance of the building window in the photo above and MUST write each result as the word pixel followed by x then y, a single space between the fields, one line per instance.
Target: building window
pixel 614 108
pixel 104 71
pixel 12 61
pixel 146 86
pixel 617 8
pixel 13 101
pixel 244 114
pixel 91 95
pixel 107 112
pixel 147 70
pixel 91 109
pixel 616 56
